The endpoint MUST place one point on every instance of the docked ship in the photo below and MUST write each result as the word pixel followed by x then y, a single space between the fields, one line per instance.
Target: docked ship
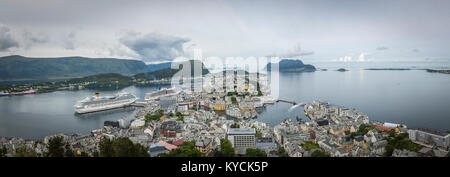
pixel 4 94
pixel 97 103
pixel 156 95
pixel 28 92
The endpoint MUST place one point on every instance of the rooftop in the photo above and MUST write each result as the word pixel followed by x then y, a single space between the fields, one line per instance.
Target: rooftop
pixel 241 131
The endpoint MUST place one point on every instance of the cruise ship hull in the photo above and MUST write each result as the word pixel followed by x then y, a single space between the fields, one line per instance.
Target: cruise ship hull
pixel 102 108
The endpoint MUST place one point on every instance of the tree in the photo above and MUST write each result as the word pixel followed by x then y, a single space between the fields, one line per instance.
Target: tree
pixel 3 151
pixel 255 152
pixel 55 147
pixel 235 125
pixel 319 153
pixel 22 152
pixel 186 149
pixel 226 148
pixel 106 148
pixel 282 152
pixel 121 147
pixel 68 152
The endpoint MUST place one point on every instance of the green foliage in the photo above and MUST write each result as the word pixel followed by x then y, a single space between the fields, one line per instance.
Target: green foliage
pixel 3 151
pixel 107 81
pixel 158 114
pixel 250 152
pixel 180 117
pixel 400 141
pixel 319 153
pixel 233 100
pixel 258 133
pixel 186 149
pixel 362 130
pixel 121 147
pixel 68 152
pixel 55 147
pixel 235 125
pixel 282 152
pixel 22 152
pixel 226 148
pixel 309 145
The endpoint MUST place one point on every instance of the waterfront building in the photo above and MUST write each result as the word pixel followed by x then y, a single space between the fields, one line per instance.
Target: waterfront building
pixel 242 138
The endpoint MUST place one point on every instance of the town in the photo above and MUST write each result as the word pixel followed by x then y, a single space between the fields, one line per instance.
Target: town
pixel 217 122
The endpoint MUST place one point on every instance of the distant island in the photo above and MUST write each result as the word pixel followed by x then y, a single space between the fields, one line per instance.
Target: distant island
pixel 393 69
pixel 342 70
pixel 291 65
pixel 438 71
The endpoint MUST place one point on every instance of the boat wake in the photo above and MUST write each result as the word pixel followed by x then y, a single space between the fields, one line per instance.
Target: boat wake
pixel 293 107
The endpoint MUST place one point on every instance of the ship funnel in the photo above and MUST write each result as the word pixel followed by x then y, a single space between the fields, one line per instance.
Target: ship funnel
pixel 97 95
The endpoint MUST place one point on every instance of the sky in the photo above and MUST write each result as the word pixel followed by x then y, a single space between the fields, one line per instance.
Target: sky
pixel 156 31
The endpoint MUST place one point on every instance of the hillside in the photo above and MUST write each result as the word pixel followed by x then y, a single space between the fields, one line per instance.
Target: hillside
pixel 159 66
pixel 17 67
pixel 288 65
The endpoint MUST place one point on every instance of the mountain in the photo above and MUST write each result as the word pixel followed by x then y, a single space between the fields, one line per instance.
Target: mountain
pixel 288 65
pixel 168 72
pixel 159 66
pixel 17 67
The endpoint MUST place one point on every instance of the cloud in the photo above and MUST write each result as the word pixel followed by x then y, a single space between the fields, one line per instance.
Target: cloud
pixel 362 57
pixel 6 39
pixel 415 50
pixel 382 48
pixel 154 46
pixel 30 39
pixel 69 41
pixel 297 52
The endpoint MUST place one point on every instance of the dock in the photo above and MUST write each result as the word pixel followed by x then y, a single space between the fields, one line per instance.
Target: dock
pixel 291 102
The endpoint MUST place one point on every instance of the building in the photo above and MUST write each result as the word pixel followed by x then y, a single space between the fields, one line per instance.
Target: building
pixel 430 137
pixel 170 129
pixel 220 106
pixel 204 145
pixel 242 138
pixel 167 102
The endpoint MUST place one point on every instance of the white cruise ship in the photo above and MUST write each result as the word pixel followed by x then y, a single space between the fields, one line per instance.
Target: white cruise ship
pixel 97 103
pixel 156 95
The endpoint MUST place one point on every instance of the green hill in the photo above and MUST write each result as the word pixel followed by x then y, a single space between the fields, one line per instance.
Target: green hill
pixel 17 67
pixel 289 65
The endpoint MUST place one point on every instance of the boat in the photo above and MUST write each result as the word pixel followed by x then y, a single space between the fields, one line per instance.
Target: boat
pixel 29 92
pixel 156 95
pixel 97 103
pixel 4 94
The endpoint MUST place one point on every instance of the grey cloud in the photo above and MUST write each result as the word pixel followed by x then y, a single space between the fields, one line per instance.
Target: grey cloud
pixel 415 50
pixel 69 41
pixel 6 39
pixel 154 46
pixel 382 48
pixel 30 39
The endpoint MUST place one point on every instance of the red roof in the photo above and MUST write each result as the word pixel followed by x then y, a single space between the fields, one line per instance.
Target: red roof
pixel 379 127
pixel 177 142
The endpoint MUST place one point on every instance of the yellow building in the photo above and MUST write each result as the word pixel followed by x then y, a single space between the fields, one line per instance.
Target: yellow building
pixel 220 106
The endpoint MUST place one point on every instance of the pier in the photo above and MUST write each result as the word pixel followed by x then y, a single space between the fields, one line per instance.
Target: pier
pixel 290 102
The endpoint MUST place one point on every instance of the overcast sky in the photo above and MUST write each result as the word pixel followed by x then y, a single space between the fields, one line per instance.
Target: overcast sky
pixel 154 31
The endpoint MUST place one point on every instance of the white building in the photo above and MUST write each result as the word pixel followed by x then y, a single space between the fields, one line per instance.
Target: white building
pixel 242 138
